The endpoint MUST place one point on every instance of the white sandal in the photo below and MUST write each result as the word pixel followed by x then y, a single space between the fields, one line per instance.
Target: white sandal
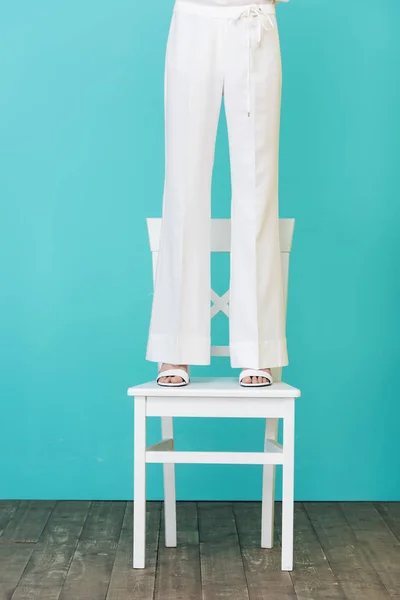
pixel 255 373
pixel 174 373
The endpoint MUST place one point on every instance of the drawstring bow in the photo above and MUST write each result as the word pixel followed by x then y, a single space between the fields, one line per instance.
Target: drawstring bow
pixel 254 10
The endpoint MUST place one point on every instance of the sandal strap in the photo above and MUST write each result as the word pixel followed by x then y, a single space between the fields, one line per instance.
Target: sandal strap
pixel 255 373
pixel 174 373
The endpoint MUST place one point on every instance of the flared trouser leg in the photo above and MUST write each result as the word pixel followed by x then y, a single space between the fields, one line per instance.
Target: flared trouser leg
pixel 252 103
pixel 179 330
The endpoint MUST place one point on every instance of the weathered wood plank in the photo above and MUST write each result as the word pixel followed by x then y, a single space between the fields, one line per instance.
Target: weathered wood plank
pixel 178 569
pixel 312 576
pixel 104 521
pixel 178 573
pixel 378 542
pixel 367 523
pixel 66 522
pixel 48 566
pixel 24 592
pixel 222 569
pixel 7 511
pixel 265 580
pixel 28 521
pixel 91 567
pixel 345 554
pixel 186 523
pixel 90 571
pixel 6 590
pixel 216 522
pixel 13 560
pixel 136 584
pixel 390 512
pixel 248 521
pixel 51 558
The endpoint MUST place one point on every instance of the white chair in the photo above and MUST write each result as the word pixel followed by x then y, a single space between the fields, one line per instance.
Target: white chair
pixel 216 397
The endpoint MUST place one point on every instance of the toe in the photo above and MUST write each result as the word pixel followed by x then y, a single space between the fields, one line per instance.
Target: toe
pixel 176 379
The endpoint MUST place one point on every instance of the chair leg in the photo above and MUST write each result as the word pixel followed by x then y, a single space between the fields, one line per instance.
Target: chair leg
pixel 139 484
pixel 288 490
pixel 268 491
pixel 167 431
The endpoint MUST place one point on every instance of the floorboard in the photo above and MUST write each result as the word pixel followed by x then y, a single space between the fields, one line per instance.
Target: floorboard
pixel 7 511
pixel 262 566
pixel 222 569
pixel 378 541
pixel 346 555
pixel 127 583
pixel 28 521
pixel 312 576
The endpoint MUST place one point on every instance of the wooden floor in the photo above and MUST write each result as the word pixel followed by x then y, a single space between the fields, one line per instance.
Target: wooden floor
pixel 83 551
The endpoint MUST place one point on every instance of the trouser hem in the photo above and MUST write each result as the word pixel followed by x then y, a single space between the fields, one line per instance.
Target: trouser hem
pixel 268 354
pixel 182 350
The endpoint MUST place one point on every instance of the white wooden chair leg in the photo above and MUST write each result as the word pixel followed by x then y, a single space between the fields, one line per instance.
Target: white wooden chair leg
pixel 169 488
pixel 139 484
pixel 288 490
pixel 268 491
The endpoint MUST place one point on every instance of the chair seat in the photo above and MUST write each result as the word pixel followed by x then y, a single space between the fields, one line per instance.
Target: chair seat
pixel 216 397
pixel 221 387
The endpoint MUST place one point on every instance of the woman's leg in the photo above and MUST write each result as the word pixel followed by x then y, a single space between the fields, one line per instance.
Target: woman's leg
pixel 180 320
pixel 257 308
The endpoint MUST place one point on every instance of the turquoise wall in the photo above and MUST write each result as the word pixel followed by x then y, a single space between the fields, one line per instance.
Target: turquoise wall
pixel 81 167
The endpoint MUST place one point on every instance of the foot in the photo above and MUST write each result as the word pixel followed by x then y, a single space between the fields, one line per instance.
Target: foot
pixel 169 378
pixel 256 379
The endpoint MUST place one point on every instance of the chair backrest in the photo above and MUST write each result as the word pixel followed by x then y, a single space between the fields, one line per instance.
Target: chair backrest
pixel 221 242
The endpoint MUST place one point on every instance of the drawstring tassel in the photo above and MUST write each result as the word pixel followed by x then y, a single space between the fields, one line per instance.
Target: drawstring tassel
pixel 254 10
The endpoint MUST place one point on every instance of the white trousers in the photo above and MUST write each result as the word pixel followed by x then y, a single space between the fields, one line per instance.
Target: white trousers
pixel 215 48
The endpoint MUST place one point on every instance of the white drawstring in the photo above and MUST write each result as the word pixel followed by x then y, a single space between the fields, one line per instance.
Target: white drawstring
pixel 254 10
